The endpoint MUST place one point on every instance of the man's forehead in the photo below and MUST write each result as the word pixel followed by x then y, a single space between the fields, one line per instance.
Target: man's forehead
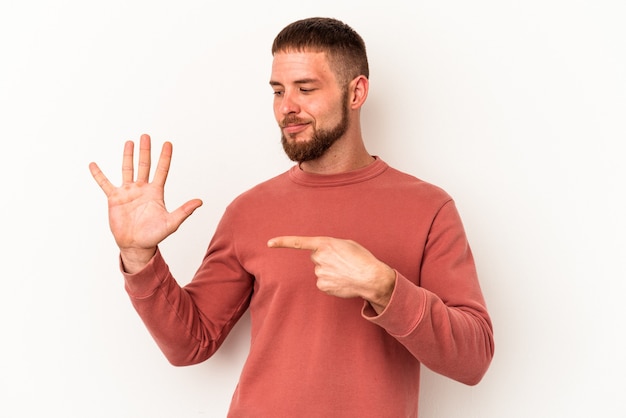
pixel 300 64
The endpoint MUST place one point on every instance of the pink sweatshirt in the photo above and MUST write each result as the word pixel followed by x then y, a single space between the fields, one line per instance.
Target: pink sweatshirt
pixel 315 355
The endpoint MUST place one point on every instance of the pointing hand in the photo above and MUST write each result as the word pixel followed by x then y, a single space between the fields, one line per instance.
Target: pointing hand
pixel 344 268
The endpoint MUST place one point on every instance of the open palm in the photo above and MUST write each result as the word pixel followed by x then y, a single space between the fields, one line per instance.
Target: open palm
pixel 138 217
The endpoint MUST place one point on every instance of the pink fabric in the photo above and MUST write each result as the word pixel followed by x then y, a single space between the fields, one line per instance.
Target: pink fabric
pixel 312 354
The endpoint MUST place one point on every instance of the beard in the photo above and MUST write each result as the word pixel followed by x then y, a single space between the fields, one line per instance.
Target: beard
pixel 320 142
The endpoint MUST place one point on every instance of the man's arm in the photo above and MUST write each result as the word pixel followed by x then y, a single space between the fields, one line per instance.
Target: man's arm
pixel 443 322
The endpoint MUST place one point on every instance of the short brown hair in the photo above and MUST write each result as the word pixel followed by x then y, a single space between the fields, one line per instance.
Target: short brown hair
pixel 344 47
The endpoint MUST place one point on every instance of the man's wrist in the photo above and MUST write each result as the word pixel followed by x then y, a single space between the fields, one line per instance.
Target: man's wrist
pixel 384 291
pixel 134 260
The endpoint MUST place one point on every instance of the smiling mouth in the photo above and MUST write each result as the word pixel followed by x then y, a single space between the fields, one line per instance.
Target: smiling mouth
pixel 291 126
pixel 294 128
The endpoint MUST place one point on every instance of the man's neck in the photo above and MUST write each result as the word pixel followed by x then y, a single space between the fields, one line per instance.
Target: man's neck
pixel 338 161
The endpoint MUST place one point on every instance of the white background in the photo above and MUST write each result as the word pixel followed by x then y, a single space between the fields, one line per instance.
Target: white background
pixel 516 108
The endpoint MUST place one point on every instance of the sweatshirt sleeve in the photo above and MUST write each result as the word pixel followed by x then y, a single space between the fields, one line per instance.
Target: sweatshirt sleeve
pixel 190 323
pixel 443 321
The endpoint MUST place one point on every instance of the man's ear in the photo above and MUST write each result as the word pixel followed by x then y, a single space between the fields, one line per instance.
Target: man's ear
pixel 358 88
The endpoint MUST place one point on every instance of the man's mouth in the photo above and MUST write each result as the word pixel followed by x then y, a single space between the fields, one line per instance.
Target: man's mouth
pixel 294 128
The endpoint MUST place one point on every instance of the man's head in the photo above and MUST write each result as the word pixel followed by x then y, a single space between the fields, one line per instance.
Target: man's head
pixel 344 47
pixel 318 63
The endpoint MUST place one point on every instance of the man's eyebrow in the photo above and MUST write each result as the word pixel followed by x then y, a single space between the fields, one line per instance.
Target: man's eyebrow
pixel 301 81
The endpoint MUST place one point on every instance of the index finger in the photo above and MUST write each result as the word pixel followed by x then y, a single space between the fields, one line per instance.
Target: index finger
pixel 163 166
pixel 297 242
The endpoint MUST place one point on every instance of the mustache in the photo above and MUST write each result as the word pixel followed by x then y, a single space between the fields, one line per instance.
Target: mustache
pixel 291 120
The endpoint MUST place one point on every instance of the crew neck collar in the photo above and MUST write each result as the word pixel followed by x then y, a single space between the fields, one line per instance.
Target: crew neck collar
pixel 331 180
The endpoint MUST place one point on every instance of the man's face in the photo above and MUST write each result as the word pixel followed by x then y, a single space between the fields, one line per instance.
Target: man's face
pixel 309 105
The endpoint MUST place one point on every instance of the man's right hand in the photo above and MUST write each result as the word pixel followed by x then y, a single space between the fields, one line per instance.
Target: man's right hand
pixel 138 218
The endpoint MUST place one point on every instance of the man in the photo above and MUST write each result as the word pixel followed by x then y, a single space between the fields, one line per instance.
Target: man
pixel 354 273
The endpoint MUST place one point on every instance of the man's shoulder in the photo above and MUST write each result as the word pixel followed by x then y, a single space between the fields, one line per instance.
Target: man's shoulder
pixel 412 184
pixel 263 191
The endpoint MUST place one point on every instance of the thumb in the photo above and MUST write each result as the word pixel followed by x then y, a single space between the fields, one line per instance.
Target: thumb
pixel 184 211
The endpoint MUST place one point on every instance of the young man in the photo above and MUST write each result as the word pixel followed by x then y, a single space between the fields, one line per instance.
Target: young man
pixel 354 273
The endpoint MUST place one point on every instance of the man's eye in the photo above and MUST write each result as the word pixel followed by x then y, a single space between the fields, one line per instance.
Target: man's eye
pixel 278 93
pixel 303 90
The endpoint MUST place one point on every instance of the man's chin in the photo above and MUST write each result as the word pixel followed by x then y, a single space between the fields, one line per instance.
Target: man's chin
pixel 298 151
pixel 296 139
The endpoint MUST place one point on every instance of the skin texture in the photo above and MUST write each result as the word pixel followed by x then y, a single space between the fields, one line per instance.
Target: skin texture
pixel 306 88
pixel 138 218
pixel 309 102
